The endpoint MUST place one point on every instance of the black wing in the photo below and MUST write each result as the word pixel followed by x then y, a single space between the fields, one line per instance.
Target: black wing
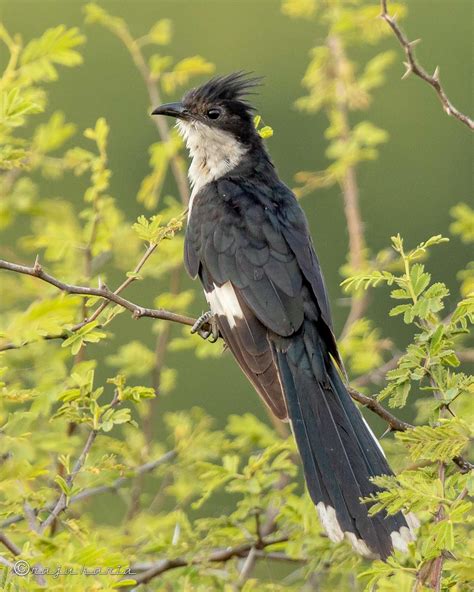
pixel 257 237
pixel 259 242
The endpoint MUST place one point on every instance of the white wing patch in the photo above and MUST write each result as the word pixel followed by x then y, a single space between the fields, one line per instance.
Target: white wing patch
pixel 223 302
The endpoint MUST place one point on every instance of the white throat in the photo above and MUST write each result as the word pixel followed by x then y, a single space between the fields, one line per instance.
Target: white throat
pixel 213 152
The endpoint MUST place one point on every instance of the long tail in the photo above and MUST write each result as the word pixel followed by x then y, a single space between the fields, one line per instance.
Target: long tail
pixel 338 450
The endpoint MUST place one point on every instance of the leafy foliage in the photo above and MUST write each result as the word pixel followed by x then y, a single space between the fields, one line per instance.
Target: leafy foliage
pixel 335 84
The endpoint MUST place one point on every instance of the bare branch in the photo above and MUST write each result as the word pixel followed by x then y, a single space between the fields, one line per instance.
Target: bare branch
pixel 247 567
pixel 122 481
pixel 35 527
pixel 31 517
pixel 61 504
pixel 396 425
pixel 10 545
pixel 151 248
pixel 5 562
pixel 218 556
pixel 102 292
pixel 413 66
pixel 349 186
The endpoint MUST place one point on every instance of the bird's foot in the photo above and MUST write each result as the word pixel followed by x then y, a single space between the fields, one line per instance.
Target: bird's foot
pixel 206 327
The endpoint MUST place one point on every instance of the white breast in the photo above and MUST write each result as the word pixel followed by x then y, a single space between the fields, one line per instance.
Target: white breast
pixel 213 152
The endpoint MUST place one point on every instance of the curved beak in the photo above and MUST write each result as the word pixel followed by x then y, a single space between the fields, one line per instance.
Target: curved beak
pixel 171 109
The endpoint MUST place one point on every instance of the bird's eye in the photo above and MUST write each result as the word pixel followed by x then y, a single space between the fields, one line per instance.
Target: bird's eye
pixel 213 113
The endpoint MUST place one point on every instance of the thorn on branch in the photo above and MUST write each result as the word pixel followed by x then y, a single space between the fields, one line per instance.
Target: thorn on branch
pixel 37 269
pixel 408 70
pixel 419 71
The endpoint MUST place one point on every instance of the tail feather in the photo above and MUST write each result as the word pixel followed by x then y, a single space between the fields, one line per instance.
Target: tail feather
pixel 338 451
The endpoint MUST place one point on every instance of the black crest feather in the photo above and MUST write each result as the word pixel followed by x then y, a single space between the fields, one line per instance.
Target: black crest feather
pixel 233 87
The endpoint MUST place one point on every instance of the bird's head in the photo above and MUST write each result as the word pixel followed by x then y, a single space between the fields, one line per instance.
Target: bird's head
pixel 217 108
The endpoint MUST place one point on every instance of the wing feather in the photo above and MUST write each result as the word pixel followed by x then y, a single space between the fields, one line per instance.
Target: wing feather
pixel 259 244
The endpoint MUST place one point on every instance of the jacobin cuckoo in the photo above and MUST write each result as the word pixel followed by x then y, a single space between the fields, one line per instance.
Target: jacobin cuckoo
pixel 248 242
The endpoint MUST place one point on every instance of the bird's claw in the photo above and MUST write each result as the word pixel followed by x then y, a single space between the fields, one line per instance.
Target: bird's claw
pixel 206 327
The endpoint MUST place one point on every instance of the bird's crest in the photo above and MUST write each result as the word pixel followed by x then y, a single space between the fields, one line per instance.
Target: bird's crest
pixel 233 87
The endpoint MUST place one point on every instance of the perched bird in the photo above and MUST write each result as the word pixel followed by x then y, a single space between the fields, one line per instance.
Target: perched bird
pixel 248 241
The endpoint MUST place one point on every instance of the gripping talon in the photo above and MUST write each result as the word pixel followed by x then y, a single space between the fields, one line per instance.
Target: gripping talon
pixel 206 327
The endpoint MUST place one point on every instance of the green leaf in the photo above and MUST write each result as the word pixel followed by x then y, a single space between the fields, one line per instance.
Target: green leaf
pixel 265 132
pixel 153 231
pixel 14 106
pixel 45 317
pixel 299 8
pixel 419 279
pixel 463 224
pixel 367 280
pixel 438 443
pixel 184 70
pixel 133 359
pixel 63 485
pixel 55 46
pixel 161 32
pixel 421 249
pixel 52 135
pixel 401 309
pixel 442 535
pixel 86 334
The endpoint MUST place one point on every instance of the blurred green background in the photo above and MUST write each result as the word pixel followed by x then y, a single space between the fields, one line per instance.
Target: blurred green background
pixel 424 169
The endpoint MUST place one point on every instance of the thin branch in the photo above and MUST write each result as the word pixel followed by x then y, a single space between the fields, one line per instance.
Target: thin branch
pixel 378 375
pixel 412 65
pixel 6 563
pixel 151 248
pixel 248 567
pixel 276 556
pixel 396 425
pixel 218 556
pixel 350 189
pixel 31 517
pixel 62 501
pixel 10 545
pixel 35 527
pixel 122 481
pixel 12 346
pixel 155 98
pixel 102 292
pixel 100 489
